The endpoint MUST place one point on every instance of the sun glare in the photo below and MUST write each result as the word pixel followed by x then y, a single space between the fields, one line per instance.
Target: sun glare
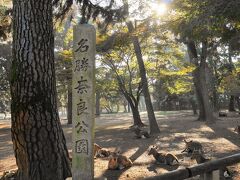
pixel 160 9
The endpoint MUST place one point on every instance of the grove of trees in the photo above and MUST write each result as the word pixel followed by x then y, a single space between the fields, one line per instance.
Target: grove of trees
pixel 184 58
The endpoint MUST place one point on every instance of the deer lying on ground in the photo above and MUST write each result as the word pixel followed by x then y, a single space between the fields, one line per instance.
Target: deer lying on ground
pixel 190 146
pixel 237 129
pixel 222 114
pixel 98 151
pixel 118 162
pixel 140 133
pixel 198 156
pixel 165 158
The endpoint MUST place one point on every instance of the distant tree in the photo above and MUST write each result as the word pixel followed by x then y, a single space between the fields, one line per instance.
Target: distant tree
pixel 5 20
pixel 142 71
pixel 5 58
pixel 169 70
pixel 122 63
pixel 198 24
pixel 63 65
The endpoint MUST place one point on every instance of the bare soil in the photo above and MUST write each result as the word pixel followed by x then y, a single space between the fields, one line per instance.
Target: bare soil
pixel 112 131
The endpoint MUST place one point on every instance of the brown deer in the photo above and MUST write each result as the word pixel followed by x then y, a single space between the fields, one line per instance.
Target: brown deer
pixel 198 156
pixel 237 129
pixel 165 158
pixel 118 162
pixel 140 133
pixel 98 151
pixel 190 146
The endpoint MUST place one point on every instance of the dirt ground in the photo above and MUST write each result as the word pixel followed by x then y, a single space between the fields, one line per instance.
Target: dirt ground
pixel 112 131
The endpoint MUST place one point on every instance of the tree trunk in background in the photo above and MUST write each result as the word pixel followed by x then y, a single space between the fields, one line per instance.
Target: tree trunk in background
pixel 133 104
pixel 197 85
pixel 191 52
pixel 69 104
pixel 215 99
pixel 125 105
pixel 136 115
pixel 128 108
pixel 97 103
pixel 194 106
pixel 231 106
pixel 199 79
pixel 38 140
pixel 151 116
pixel 208 109
pixel 213 83
pixel 238 102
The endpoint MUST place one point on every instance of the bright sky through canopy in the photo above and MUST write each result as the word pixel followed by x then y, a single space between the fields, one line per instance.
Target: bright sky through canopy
pixel 159 9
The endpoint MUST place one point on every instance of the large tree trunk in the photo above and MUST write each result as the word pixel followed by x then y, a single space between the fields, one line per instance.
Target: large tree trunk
pixel 238 102
pixel 197 85
pixel 215 99
pixel 208 109
pixel 231 106
pixel 214 85
pixel 151 116
pixel 199 79
pixel 194 105
pixel 69 104
pixel 38 140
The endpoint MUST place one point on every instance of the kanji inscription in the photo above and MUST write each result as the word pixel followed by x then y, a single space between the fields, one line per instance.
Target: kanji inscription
pixel 83 101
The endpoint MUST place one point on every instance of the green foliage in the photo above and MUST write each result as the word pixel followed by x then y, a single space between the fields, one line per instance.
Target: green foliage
pixel 204 19
pixel 230 84
pixel 5 21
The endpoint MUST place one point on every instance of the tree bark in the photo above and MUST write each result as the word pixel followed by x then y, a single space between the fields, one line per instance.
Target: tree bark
pixel 151 116
pixel 238 103
pixel 136 116
pixel 199 79
pixel 38 140
pixel 133 103
pixel 69 105
pixel 125 105
pixel 215 99
pixel 197 85
pixel 194 106
pixel 231 106
pixel 208 109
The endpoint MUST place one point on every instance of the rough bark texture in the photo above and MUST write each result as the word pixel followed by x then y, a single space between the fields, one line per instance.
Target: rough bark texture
pixel 238 102
pixel 38 140
pixel 231 106
pixel 199 79
pixel 197 85
pixel 136 115
pixel 69 105
pixel 133 103
pixel 151 116
pixel 215 99
pixel 194 106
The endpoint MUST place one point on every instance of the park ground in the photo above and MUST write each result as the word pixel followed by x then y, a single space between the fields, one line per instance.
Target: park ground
pixel 112 131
